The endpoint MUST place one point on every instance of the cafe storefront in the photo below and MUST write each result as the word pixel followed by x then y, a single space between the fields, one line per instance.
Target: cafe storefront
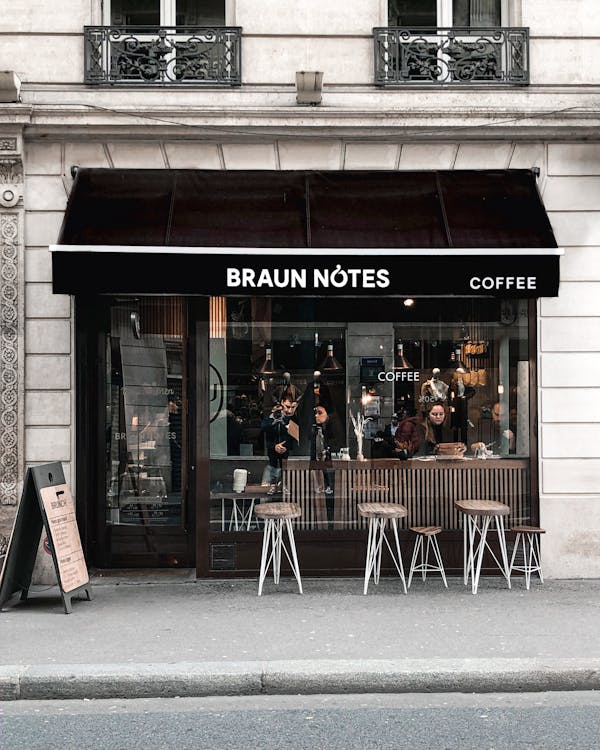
pixel 204 298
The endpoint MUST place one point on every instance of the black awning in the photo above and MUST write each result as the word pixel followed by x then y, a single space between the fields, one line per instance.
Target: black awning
pixel 352 233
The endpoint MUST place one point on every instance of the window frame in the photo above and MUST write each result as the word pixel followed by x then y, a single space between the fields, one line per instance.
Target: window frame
pixel 168 12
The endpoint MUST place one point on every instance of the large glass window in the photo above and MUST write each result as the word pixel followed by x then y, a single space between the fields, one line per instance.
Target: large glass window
pixel 274 362
pixel 145 413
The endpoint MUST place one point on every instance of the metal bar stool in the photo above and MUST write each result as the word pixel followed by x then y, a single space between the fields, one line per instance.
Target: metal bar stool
pixel 477 515
pixel 275 516
pixel 430 533
pixel 532 560
pixel 378 515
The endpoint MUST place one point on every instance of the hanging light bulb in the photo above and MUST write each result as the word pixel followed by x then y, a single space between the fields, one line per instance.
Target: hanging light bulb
pixel 455 362
pixel 330 363
pixel 266 367
pixel 400 361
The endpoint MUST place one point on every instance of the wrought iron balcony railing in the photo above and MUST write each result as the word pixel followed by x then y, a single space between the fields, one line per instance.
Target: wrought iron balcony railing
pixel 177 55
pixel 457 56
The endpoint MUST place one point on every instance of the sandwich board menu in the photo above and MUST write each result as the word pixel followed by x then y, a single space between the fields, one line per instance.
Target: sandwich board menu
pixel 46 503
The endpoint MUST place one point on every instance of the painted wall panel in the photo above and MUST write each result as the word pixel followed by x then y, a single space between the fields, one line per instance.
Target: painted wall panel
pixel 41 303
pixel 561 17
pixel 574 158
pixel 568 404
pixel 48 336
pixel 309 17
pixel 572 193
pixel 47 408
pixel 564 62
pixel 572 440
pixel 575 299
pixel 47 372
pixel 570 334
pixel 580 264
pixel 575 227
pixel 57 59
pixel 570 370
pixel 571 476
pixel 570 550
pixel 47 444
pixel 275 60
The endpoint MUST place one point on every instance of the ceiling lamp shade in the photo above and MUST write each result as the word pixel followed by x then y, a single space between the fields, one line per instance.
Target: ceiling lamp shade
pixel 400 361
pixel 330 363
pixel 266 368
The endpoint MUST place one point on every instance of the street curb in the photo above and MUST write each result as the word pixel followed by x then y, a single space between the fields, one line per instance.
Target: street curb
pixel 194 679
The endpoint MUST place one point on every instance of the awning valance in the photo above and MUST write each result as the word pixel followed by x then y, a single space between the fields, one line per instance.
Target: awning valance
pixel 306 233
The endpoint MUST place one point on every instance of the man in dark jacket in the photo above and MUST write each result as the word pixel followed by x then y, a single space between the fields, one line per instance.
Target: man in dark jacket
pixel 279 441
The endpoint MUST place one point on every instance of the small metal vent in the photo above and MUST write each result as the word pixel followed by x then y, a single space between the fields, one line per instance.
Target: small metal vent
pixel 222 556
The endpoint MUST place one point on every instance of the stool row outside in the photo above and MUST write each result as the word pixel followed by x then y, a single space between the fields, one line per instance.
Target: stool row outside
pixel 478 514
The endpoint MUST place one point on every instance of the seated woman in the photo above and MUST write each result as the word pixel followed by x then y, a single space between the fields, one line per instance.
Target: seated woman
pixel 420 435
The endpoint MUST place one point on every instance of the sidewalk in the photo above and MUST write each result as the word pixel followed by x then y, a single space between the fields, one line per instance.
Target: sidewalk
pixel 164 633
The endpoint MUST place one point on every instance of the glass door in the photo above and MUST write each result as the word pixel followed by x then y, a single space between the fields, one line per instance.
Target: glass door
pixel 146 514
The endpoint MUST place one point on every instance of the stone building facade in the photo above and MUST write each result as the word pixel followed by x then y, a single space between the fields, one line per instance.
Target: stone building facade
pixel 60 122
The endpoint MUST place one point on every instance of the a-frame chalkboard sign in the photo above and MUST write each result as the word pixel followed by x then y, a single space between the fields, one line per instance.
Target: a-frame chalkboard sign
pixel 46 503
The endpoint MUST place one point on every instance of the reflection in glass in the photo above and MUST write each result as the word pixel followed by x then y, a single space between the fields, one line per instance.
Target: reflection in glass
pixel 472 354
pixel 144 409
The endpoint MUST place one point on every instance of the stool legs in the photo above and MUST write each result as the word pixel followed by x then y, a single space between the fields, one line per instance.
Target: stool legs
pixel 425 566
pixel 375 541
pixel 531 556
pixel 474 557
pixel 271 551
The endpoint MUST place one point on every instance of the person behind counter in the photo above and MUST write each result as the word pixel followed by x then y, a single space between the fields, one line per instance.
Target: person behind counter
pixel 504 428
pixel 325 441
pixel 279 441
pixel 421 435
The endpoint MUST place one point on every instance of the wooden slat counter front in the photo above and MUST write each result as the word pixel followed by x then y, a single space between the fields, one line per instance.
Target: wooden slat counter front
pixel 428 489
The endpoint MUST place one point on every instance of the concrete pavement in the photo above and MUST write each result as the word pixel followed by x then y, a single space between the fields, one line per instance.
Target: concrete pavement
pixel 164 633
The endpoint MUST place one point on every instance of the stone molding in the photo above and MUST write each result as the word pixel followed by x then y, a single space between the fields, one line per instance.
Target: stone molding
pixel 11 321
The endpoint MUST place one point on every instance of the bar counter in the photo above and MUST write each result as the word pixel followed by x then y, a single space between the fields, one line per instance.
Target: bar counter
pixel 428 488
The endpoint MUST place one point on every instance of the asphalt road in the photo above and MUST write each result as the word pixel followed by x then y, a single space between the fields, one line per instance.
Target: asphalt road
pixel 495 721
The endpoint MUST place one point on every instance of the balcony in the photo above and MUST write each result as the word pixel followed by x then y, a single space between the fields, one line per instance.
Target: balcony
pixel 455 57
pixel 172 56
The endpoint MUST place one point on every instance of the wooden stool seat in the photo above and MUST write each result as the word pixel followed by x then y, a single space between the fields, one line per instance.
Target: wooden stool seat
pixel 430 533
pixel 382 510
pixel 378 515
pixel 528 529
pixel 426 530
pixel 475 537
pixel 482 507
pixel 277 510
pixel 529 536
pixel 276 516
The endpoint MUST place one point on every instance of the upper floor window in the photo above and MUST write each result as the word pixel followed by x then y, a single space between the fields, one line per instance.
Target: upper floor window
pixel 183 42
pixel 167 12
pixel 451 42
pixel 445 13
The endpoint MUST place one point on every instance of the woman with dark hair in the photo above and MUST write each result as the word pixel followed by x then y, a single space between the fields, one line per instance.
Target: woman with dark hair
pixel 421 435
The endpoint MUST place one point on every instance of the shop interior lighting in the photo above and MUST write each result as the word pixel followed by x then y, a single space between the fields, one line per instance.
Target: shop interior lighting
pixel 500 388
pixel 400 361
pixel 408 302
pixel 455 362
pixel 309 85
pixel 266 367
pixel 330 363
pixel 366 396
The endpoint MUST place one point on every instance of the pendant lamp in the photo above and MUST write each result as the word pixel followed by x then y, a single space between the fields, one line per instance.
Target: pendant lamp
pixel 400 361
pixel 330 363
